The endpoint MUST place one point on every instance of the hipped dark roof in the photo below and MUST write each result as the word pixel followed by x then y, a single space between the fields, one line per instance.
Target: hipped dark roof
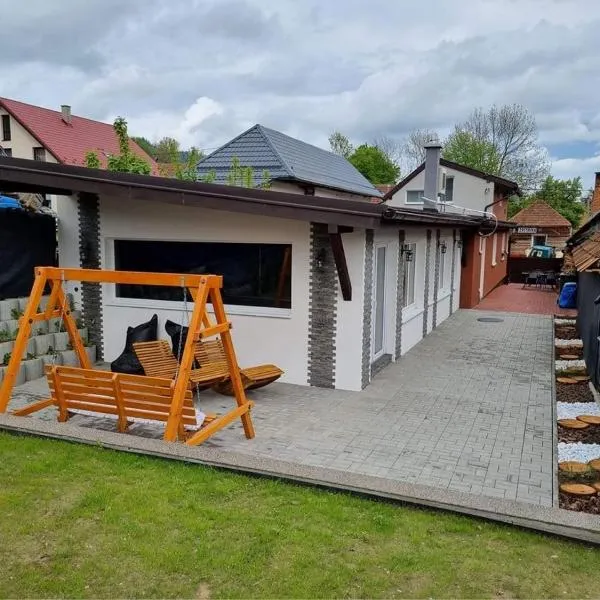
pixel 20 175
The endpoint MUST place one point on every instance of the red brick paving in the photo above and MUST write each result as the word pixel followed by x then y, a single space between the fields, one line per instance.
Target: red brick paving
pixel 514 298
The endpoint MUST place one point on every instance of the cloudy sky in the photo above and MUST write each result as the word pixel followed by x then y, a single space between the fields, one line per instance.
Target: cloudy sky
pixel 205 70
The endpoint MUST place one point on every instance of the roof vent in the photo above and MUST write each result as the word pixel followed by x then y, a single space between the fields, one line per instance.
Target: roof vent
pixel 65 109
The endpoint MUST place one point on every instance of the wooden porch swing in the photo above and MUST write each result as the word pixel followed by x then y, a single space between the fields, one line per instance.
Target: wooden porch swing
pixel 130 396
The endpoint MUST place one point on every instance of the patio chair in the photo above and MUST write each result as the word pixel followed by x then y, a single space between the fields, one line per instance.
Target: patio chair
pixel 212 353
pixel 158 360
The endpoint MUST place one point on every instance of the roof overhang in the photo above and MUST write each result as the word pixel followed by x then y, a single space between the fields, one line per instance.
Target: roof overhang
pixel 19 175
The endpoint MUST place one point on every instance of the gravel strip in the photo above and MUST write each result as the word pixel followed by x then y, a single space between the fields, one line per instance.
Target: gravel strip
pixel 578 452
pixel 574 392
pixel 566 365
pixel 571 410
pixel 560 343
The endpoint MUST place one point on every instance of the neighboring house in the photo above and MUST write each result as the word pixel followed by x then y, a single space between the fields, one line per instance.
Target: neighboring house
pixel 33 132
pixel 538 225
pixel 330 289
pixel 293 166
pixel 462 190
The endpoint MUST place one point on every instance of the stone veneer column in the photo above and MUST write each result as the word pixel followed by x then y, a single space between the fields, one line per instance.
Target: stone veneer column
pixel 322 290
pixel 453 271
pixel 88 211
pixel 436 278
pixel 400 294
pixel 427 278
pixel 367 309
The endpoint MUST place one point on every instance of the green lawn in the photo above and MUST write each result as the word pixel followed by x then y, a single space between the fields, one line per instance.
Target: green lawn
pixel 79 521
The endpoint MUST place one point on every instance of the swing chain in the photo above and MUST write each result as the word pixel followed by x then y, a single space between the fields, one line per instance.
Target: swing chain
pixel 62 316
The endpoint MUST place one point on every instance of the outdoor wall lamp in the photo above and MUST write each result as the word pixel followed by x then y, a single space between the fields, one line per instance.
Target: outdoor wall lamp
pixel 407 252
pixel 443 246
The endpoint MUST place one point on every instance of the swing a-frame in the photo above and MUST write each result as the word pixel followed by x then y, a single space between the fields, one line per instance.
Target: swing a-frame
pixel 130 396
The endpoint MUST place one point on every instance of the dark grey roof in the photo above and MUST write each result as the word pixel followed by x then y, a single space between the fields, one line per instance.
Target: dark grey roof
pixel 286 158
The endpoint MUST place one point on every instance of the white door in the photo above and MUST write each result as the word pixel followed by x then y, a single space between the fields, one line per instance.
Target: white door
pixel 379 302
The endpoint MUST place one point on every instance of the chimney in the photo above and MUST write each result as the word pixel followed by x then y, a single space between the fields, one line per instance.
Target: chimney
pixel 65 109
pixel 595 203
pixel 433 151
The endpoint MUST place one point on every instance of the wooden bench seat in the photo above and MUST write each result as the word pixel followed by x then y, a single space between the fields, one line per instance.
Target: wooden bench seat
pixel 211 353
pixel 129 398
pixel 158 360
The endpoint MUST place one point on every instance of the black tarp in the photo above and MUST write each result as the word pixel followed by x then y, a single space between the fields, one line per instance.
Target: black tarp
pixel 27 240
pixel 588 321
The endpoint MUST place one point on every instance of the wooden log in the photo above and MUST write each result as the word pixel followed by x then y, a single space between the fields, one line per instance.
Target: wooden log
pixel 580 378
pixel 578 489
pixel 595 464
pixel 572 466
pixel 568 380
pixel 572 424
pixel 596 485
pixel 569 356
pixel 589 419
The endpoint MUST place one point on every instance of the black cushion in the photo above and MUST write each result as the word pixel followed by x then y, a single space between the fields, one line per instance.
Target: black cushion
pixel 128 362
pixel 175 331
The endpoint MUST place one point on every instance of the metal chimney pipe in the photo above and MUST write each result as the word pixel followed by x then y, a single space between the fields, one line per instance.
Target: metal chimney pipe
pixel 433 152
pixel 65 109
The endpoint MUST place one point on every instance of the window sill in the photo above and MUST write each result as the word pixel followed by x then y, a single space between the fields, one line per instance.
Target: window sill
pixel 249 311
pixel 411 312
pixel 494 264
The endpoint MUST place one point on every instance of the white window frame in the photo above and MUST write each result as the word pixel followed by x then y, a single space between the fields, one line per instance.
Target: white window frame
pixel 421 192
pixel 410 266
pixel 494 249
pixel 449 178
pixel 545 235
pixel 377 245
pixel 109 291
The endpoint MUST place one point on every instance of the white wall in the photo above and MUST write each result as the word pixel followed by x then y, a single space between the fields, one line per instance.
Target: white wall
pixel 68 239
pixel 261 335
pixel 469 192
pixel 349 327
pixel 293 188
pixel 22 142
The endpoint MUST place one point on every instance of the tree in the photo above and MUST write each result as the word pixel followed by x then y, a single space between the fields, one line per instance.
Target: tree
pixel 340 144
pixel 244 176
pixel 145 144
pixel 166 150
pixel 465 149
pixel 412 149
pixel 374 164
pixel 126 161
pixel 390 147
pixel 563 195
pixel 512 130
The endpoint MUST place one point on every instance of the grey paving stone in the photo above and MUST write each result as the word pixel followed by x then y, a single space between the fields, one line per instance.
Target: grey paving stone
pixel 468 409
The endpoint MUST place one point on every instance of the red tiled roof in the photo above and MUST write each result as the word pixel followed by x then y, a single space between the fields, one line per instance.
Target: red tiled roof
pixel 540 214
pixel 69 143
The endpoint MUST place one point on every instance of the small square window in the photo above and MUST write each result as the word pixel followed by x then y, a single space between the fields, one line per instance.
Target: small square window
pixel 39 153
pixel 6 152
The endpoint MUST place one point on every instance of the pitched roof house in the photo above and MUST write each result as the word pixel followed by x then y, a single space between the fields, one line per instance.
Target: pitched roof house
pixel 460 189
pixel 29 131
pixel 539 225
pixel 293 166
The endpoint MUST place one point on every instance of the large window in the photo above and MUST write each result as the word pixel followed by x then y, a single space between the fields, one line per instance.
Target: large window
pixel 5 128
pixel 449 197
pixel 409 276
pixel 253 274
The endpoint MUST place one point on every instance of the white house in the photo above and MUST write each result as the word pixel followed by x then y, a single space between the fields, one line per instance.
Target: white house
pixel 329 289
